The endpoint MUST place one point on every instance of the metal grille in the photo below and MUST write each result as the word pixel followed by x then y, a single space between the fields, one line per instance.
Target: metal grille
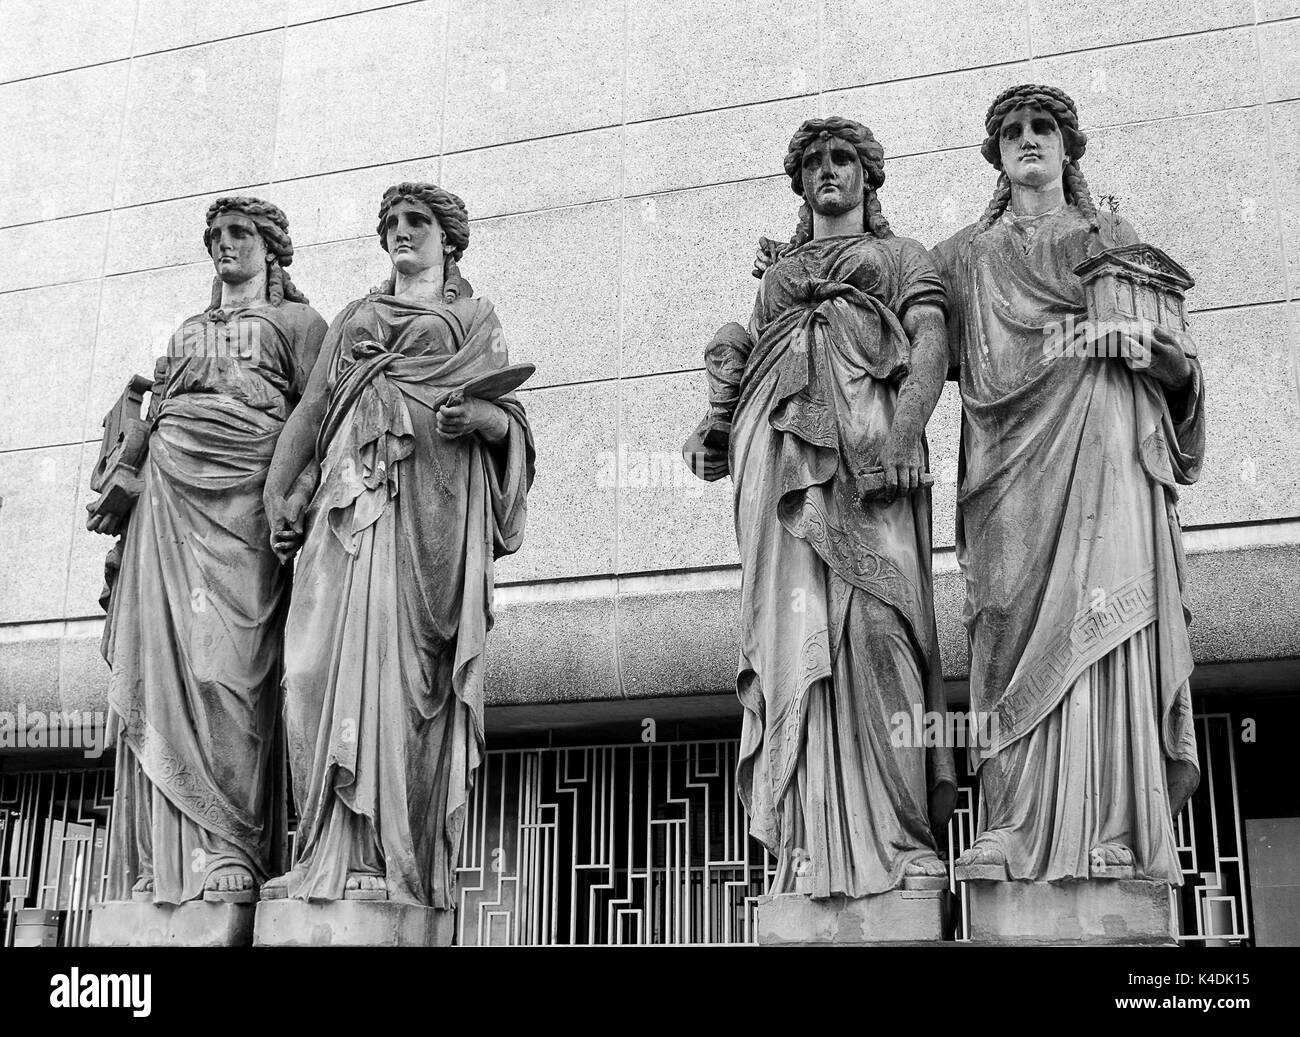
pixel 642 843
pixel 53 836
pixel 615 844
pixel 1213 905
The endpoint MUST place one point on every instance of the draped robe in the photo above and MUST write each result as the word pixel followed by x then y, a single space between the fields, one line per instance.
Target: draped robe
pixel 838 635
pixel 1068 535
pixel 194 620
pixel 392 599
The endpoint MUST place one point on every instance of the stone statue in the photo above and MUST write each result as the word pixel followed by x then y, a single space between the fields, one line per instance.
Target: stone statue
pixel 195 615
pixel 421 459
pixel 817 411
pixel 1067 528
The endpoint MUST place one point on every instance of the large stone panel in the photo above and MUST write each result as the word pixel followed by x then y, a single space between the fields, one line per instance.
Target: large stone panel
pixel 137 314
pixel 538 174
pixel 572 517
pixel 712 147
pixel 166 25
pixel 200 119
pixel 553 277
pixel 86 558
pixel 39 38
pixel 1154 80
pixel 687 258
pixel 515 73
pixel 48 166
pixel 1055 27
pixel 1284 124
pixel 668 519
pixel 696 55
pixel 361 90
pixel 53 252
pixel 953 107
pixel 1190 187
pixel 48 337
pixel 879 42
pixel 1279 48
pixel 37 490
pixel 1252 468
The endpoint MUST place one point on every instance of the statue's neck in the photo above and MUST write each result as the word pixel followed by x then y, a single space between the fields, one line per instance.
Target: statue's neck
pixel 1034 200
pixel 850 222
pixel 247 293
pixel 424 288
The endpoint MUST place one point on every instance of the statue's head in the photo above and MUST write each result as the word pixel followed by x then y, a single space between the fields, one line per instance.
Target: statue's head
pixel 245 236
pixel 834 164
pixel 422 226
pixel 1032 132
pixel 1032 136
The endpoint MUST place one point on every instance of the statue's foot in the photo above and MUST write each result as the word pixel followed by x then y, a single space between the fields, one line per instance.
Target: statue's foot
pixel 365 885
pixel 983 862
pixel 230 884
pixel 1110 861
pixel 142 890
pixel 276 888
pixel 925 873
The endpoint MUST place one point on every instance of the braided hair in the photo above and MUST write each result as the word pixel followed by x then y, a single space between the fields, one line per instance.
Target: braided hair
pixel 452 216
pixel 273 225
pixel 870 153
pixel 1059 106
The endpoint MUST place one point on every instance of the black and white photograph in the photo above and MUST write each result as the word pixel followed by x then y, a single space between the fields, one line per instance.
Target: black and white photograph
pixel 501 498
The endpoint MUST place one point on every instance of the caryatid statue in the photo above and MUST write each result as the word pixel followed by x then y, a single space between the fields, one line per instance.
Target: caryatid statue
pixel 817 411
pixel 403 476
pixel 1067 528
pixel 196 613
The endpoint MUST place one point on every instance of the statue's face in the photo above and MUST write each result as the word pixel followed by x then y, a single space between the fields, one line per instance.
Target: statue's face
pixel 414 237
pixel 1032 148
pixel 832 176
pixel 237 249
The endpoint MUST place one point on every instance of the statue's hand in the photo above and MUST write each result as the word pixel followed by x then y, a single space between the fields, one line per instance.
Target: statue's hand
pixel 469 414
pixel 769 252
pixel 1159 352
pixel 706 464
pixel 901 460
pixel 97 522
pixel 285 517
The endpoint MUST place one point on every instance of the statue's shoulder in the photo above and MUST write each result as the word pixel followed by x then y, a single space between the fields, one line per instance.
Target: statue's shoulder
pixel 300 314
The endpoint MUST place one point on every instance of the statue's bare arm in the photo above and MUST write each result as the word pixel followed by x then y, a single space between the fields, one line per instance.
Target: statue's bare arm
pixel 901 457
pixel 286 495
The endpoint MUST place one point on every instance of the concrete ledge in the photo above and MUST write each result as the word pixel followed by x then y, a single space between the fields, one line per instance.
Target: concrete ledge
pixel 351 923
pixel 1127 912
pixel 896 917
pixel 194 924
pixel 656 636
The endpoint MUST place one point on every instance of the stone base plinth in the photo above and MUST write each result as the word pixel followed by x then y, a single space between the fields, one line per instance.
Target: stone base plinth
pixel 1128 912
pixel 351 923
pixel 198 923
pixel 897 917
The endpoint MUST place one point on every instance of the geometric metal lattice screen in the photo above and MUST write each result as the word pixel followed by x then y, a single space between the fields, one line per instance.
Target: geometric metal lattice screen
pixel 642 843
pixel 1213 905
pixel 616 844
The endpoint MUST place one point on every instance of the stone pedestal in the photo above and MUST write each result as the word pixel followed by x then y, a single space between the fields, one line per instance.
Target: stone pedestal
pixel 1127 912
pixel 351 923
pixel 198 923
pixel 898 917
